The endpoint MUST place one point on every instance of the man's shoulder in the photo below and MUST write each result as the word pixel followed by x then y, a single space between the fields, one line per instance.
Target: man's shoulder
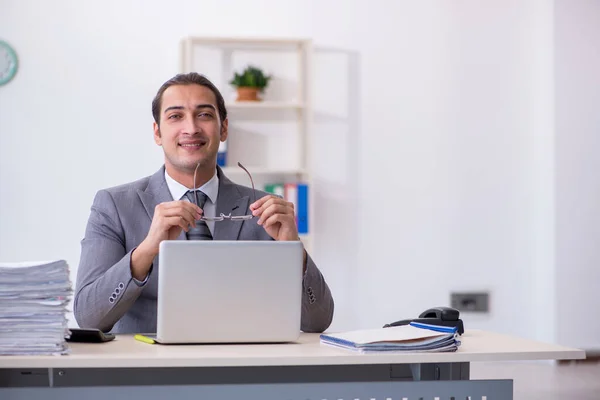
pixel 242 189
pixel 248 191
pixel 134 186
pixel 125 191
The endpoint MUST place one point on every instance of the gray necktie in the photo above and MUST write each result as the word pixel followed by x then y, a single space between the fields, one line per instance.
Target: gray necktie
pixel 201 231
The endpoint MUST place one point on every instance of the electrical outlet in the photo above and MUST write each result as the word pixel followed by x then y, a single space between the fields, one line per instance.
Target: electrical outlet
pixel 470 301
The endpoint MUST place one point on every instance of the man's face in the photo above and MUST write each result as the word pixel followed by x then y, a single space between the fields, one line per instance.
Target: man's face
pixel 190 129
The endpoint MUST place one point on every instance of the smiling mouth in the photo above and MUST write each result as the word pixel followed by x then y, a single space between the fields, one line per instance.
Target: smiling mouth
pixel 192 145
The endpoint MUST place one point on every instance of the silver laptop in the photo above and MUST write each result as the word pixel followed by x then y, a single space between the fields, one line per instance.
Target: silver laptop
pixel 229 291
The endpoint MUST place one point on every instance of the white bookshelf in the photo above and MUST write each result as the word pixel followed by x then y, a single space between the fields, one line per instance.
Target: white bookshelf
pixel 271 138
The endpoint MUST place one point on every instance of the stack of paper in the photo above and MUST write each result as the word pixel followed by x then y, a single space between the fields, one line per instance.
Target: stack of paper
pixel 33 307
pixel 407 338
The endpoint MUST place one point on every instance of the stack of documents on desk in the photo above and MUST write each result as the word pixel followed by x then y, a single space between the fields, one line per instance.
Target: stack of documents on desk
pixel 33 307
pixel 407 338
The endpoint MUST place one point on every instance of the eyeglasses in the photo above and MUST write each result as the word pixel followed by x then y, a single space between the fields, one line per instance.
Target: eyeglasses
pixel 226 216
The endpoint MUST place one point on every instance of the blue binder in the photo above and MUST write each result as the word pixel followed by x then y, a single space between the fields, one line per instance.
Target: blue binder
pixel 302 212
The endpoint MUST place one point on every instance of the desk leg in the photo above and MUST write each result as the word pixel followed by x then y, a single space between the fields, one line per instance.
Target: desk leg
pixel 440 371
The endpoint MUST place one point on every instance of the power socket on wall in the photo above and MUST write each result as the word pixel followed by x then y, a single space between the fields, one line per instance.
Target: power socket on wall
pixel 471 301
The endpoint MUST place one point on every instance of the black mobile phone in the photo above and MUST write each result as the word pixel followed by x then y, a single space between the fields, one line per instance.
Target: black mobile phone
pixel 89 336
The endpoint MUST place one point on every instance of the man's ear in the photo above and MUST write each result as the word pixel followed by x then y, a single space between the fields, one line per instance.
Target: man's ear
pixel 224 130
pixel 157 137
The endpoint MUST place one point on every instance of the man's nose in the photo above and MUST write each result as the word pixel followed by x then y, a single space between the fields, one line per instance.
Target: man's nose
pixel 191 127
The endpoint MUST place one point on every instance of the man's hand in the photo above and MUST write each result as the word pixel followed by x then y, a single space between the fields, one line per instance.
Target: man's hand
pixel 277 217
pixel 170 218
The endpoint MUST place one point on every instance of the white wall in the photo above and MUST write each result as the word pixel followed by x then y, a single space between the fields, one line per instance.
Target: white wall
pixel 452 209
pixel 577 82
pixel 543 272
pixel 432 170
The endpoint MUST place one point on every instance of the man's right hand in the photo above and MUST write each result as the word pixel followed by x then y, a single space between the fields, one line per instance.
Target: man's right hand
pixel 170 218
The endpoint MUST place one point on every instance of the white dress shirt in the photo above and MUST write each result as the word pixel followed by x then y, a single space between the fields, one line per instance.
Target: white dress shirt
pixel 210 189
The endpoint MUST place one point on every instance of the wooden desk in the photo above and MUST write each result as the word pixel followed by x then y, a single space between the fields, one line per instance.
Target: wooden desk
pixel 128 369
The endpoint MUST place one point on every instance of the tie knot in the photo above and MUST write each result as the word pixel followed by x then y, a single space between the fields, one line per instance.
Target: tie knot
pixel 192 194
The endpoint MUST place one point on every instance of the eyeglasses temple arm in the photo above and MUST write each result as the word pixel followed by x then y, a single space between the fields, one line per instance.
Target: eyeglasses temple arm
pixel 251 181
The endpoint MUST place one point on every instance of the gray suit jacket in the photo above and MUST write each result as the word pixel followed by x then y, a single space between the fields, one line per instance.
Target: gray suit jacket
pixel 106 295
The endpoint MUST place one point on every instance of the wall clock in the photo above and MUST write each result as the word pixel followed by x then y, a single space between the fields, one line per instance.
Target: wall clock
pixel 8 63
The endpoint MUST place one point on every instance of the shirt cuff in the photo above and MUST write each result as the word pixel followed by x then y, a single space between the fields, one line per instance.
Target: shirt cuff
pixel 136 281
pixel 141 283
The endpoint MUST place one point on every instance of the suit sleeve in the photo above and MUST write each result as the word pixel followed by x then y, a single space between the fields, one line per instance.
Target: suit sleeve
pixel 105 288
pixel 317 302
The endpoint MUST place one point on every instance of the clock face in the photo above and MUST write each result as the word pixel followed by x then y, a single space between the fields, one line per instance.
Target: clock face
pixel 8 63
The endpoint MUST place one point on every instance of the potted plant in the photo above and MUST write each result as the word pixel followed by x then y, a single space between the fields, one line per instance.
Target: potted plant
pixel 249 83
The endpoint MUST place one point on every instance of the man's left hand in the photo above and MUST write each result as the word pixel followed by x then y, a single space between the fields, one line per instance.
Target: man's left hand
pixel 277 217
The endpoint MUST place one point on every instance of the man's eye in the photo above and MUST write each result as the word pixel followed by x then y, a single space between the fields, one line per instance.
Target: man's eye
pixel 205 115
pixel 174 116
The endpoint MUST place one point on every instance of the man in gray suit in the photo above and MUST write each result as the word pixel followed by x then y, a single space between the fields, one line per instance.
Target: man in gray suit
pixel 117 278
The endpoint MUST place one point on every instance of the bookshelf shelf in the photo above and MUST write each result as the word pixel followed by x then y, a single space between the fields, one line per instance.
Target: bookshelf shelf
pixel 262 171
pixel 245 42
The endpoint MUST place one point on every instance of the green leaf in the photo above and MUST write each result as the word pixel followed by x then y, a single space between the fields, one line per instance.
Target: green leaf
pixel 251 77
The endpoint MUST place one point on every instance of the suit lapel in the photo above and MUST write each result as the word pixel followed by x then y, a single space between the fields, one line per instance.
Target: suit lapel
pixel 229 200
pixel 156 192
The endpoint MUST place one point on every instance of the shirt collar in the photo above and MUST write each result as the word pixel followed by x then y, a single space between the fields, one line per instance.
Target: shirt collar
pixel 210 188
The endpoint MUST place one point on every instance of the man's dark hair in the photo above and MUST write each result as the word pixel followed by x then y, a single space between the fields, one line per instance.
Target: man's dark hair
pixel 192 78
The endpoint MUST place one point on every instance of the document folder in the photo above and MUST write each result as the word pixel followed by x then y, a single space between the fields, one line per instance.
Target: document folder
pixel 407 338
